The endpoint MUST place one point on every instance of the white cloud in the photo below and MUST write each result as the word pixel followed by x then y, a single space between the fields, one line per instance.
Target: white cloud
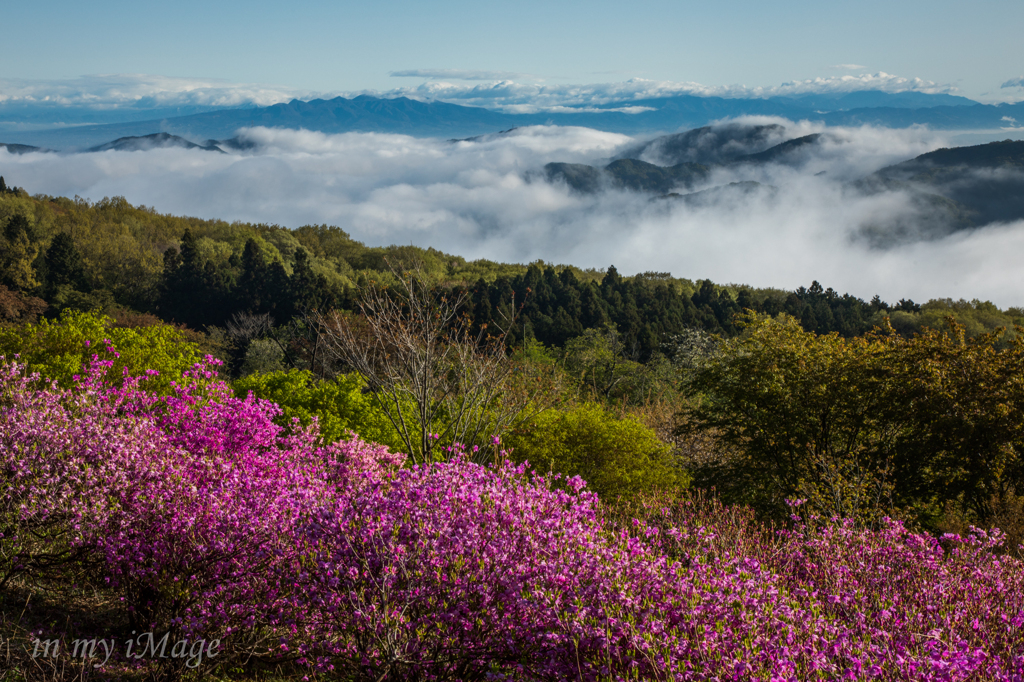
pixel 869 81
pixel 462 74
pixel 141 91
pixel 514 97
pixel 477 199
pixel 1017 82
pixel 492 89
pixel 849 67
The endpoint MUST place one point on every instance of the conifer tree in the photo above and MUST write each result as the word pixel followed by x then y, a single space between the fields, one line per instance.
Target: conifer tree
pixel 64 264
pixel 252 291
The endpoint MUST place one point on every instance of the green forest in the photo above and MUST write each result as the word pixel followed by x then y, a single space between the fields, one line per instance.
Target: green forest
pixel 638 383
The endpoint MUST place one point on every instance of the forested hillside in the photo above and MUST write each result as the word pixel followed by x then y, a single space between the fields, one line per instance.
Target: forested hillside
pixel 61 253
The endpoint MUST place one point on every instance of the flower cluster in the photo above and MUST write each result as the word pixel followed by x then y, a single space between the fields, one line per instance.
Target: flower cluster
pixel 209 520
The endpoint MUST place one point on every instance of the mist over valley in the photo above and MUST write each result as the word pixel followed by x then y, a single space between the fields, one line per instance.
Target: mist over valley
pixel 757 200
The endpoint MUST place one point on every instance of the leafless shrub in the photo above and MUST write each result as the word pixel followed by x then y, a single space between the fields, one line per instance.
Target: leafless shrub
pixel 244 327
pixel 435 380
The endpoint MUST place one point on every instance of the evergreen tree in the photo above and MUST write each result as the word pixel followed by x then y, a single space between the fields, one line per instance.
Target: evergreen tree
pixel 64 265
pixel 182 289
pixel 252 291
pixel 277 292
pixel 307 291
pixel 744 300
pixel 19 225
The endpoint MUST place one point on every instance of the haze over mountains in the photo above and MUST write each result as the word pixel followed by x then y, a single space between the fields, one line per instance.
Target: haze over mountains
pixel 631 116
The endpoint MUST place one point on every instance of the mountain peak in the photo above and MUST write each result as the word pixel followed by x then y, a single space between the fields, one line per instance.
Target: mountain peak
pixel 153 141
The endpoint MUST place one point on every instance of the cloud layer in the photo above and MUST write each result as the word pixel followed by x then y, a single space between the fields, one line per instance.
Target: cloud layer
pixel 140 91
pixel 514 97
pixel 485 199
pixel 462 74
pixel 494 89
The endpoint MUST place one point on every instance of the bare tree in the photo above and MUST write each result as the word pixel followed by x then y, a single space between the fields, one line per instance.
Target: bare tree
pixel 437 382
pixel 255 335
pixel 245 327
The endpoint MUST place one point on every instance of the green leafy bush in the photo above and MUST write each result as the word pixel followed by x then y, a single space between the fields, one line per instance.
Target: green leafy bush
pixel 864 428
pixel 58 348
pixel 340 405
pixel 616 456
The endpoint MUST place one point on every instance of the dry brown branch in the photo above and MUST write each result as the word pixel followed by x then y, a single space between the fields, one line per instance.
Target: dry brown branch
pixel 435 381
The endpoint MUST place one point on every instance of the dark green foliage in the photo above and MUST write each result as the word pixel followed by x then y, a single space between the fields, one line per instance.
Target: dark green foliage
pixel 631 174
pixel 254 292
pixel 19 226
pixel 18 250
pixel 192 291
pixel 4 189
pixel 307 289
pixel 64 265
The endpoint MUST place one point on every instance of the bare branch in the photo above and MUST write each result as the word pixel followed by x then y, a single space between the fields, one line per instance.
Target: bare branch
pixel 436 382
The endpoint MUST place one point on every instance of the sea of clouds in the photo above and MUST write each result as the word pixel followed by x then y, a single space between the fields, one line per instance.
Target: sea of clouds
pixel 486 198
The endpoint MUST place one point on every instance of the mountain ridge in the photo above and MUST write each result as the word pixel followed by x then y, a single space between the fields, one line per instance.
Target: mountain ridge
pixel 955 188
pixel 402 115
pixel 153 141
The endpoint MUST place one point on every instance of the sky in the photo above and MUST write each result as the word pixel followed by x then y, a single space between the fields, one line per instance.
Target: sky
pixel 274 50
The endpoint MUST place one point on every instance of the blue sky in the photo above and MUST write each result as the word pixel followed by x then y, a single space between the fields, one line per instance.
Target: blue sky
pixel 312 47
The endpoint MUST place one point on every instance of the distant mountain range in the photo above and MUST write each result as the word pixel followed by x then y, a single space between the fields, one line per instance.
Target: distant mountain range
pixel 683 160
pixel 439 119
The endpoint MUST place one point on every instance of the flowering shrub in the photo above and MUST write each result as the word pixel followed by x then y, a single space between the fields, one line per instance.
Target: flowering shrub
pixel 210 520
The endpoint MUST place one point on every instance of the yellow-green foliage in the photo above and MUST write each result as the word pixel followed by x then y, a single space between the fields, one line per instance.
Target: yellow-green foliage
pixel 616 456
pixel 977 318
pixel 864 427
pixel 58 348
pixel 596 362
pixel 339 405
pixel 801 408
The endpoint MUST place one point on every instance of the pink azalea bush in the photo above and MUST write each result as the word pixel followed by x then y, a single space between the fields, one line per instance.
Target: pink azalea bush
pixel 207 519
